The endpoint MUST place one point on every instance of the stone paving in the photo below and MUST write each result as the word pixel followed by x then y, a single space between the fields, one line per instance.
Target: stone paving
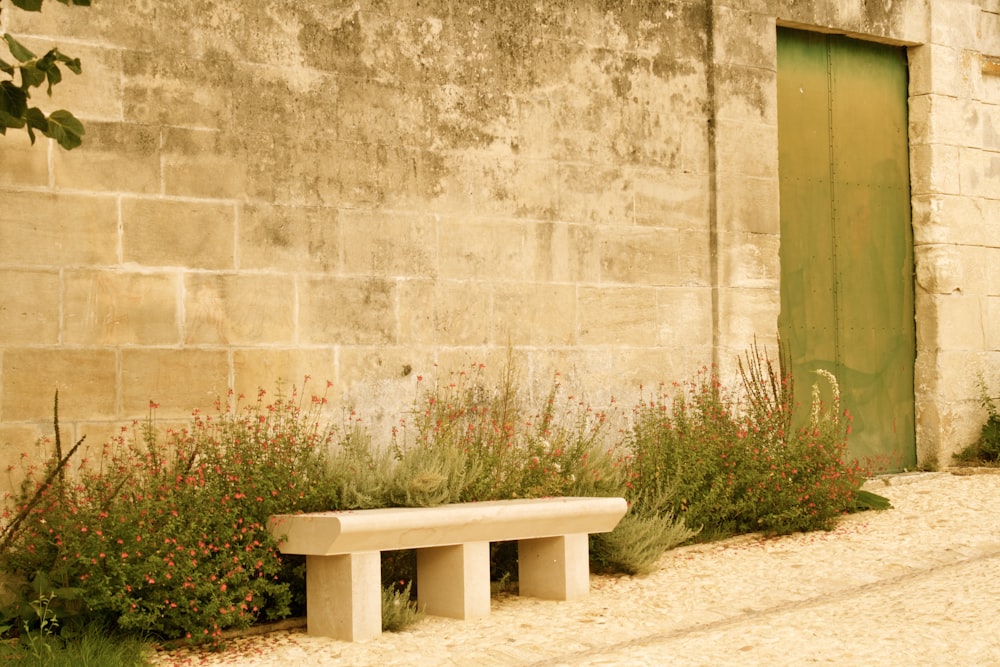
pixel 915 585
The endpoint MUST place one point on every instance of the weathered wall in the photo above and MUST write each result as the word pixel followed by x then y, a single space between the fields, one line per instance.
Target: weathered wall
pixel 360 190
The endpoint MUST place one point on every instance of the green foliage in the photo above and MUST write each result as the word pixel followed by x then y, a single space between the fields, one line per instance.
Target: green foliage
pixel 398 608
pixel 167 536
pixel 28 72
pixel 986 449
pixel 469 441
pixel 638 541
pixel 93 646
pixel 732 461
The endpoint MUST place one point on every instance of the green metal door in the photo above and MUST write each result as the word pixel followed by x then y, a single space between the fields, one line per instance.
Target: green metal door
pixel 846 240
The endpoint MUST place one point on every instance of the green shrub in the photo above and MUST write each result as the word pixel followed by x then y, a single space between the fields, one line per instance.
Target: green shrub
pixel 93 646
pixel 732 461
pixel 399 610
pixel 986 448
pixel 468 441
pixel 638 541
pixel 167 535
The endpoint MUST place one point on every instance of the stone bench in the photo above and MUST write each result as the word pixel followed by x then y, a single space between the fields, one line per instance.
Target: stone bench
pixel 343 563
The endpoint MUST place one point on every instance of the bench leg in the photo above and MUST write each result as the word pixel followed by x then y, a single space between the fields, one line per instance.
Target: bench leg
pixel 554 568
pixel 454 581
pixel 344 596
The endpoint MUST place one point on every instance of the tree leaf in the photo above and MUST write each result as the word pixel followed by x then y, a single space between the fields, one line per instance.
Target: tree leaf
pixel 17 49
pixel 6 67
pixel 65 129
pixel 54 76
pixel 28 5
pixel 31 76
pixel 13 104
pixel 36 120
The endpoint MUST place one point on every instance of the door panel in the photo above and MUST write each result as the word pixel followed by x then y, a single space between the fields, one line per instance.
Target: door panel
pixel 846 240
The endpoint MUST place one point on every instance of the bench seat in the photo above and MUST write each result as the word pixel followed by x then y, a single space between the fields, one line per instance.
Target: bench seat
pixel 343 562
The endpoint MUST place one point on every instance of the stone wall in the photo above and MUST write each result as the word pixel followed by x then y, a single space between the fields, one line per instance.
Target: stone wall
pixel 362 191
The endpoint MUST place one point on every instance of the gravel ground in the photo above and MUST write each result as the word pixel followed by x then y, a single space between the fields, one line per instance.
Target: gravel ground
pixel 915 585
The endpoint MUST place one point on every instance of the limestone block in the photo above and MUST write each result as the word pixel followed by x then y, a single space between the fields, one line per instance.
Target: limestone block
pixel 291 173
pixel 347 311
pixel 745 148
pixel 270 369
pixel 29 307
pixel 989 120
pixel 989 31
pixel 193 234
pixel 617 316
pixel 693 250
pixel 179 380
pixel 454 581
pixel 167 87
pixel 940 269
pixel 942 119
pixel 684 316
pixel 289 238
pixel 204 163
pixel 445 312
pixel 17 440
pixel 392 528
pixel 744 37
pixel 748 204
pixel 239 309
pixel 951 376
pixel 991 220
pixel 745 313
pixel 86 380
pixel 534 314
pixel 485 250
pixel 500 182
pixel 991 322
pixel 554 568
pixel 669 199
pixel 115 157
pixel 935 169
pixel 551 243
pixel 959 320
pixel 42 229
pixel 344 596
pixel 115 308
pixel 388 244
pixel 380 382
pixel 749 260
pixel 950 219
pixel 954 23
pixel 24 164
pixel 979 172
pixel 986 84
pixel 584 253
pixel 647 255
pixel 938 70
pixel 598 194
pixel 746 93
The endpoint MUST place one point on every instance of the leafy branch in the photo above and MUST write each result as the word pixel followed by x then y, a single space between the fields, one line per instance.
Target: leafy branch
pixel 31 71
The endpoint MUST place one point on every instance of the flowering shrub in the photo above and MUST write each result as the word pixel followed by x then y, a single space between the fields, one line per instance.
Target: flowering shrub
pixel 732 462
pixel 468 441
pixel 167 535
